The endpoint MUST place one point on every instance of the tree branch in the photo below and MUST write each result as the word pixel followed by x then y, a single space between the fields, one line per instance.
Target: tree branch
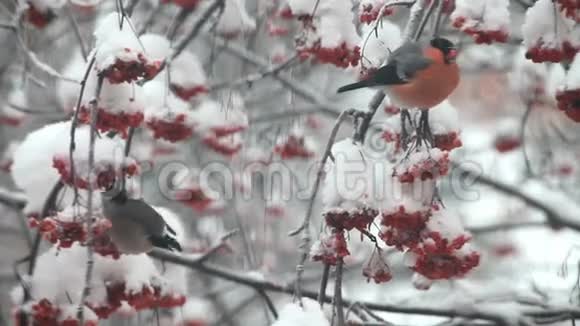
pixel 555 218
pixel 265 285
pixel 305 226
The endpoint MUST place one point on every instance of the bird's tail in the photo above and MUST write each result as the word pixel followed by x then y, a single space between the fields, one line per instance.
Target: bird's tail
pixel 166 242
pixel 353 86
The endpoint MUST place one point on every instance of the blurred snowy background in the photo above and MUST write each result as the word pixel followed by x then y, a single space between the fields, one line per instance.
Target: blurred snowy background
pixel 256 88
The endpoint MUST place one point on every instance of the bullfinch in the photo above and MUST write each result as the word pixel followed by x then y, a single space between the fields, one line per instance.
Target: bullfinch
pixel 416 77
pixel 136 226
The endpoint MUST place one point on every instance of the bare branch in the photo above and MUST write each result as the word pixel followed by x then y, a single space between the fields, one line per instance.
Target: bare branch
pixel 297 87
pixel 305 226
pixel 338 304
pixel 265 285
pixel 77 32
pixel 11 198
pixel 323 284
pixel 196 28
pixel 553 216
pixel 90 196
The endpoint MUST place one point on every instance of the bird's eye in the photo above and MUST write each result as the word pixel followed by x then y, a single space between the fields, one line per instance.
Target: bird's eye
pixel 452 54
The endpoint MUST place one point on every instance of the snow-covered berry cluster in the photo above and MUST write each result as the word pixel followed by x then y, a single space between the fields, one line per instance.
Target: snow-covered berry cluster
pixel 103 175
pixel 40 13
pixel 326 38
pixel 120 107
pixel 377 268
pixel 549 36
pixel 486 21
pixel 423 165
pixel 44 312
pixel 435 244
pixel 370 10
pixel 66 228
pixel 570 9
pixel 295 146
pixel 330 248
pixel 568 95
pixel 122 57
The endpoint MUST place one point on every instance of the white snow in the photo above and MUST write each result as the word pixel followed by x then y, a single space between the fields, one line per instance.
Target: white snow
pixel 447 223
pixel 486 15
pixel 118 98
pixel 86 3
pixel 526 75
pixel 32 170
pixel 67 92
pixel 235 19
pixel 375 50
pixel 556 80
pixel 187 71
pixel 211 115
pixel 444 119
pixel 540 24
pixel 196 310
pixel 303 7
pixel 336 25
pixel 573 74
pixel 162 104
pixel 294 315
pixel 114 43
pixel 157 47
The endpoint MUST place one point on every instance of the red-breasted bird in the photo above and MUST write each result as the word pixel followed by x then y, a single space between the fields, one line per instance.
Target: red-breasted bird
pixel 416 77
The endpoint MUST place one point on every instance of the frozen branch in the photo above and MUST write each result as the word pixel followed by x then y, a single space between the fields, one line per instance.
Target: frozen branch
pixel 291 113
pixel 197 27
pixel 299 88
pixel 305 226
pixel 553 216
pixel 337 301
pixel 13 199
pixel 90 196
pixel 265 285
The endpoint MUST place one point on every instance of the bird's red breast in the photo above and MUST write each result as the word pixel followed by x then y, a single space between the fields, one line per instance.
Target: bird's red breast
pixel 429 86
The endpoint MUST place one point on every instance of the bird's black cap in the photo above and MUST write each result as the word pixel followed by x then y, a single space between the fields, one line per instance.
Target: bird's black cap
pixel 443 44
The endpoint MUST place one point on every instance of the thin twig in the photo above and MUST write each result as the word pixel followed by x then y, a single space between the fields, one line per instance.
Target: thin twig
pixel 479 230
pixel 73 127
pixel 437 20
pixel 12 198
pixel 553 217
pixel 323 284
pixel 292 113
pixel 130 7
pixel 338 304
pixel 77 32
pixel 297 87
pixel 425 19
pixel 524 122
pixel 208 254
pixel 414 20
pixel 252 78
pixel 196 28
pixel 48 207
pixel 89 217
pixel 305 226
pixel 255 283
pixel 269 303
